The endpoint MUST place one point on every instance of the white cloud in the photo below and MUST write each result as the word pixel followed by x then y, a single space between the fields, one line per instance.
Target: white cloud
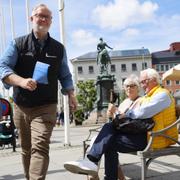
pixel 156 36
pixel 123 13
pixel 131 32
pixel 83 38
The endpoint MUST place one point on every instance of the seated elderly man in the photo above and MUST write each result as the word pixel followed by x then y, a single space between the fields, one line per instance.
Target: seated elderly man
pixel 157 103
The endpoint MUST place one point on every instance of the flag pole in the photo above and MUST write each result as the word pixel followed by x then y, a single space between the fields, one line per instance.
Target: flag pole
pixel 65 98
pixel 27 17
pixel 12 34
pixel 12 20
pixel 3 41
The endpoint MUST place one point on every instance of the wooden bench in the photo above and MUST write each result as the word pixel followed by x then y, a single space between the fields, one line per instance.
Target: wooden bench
pixel 147 155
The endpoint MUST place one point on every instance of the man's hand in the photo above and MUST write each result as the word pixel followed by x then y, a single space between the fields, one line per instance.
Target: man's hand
pixel 25 83
pixel 29 84
pixel 72 101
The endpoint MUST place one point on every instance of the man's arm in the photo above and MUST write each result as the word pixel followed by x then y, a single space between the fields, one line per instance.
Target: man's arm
pixel 158 103
pixel 7 74
pixel 65 78
pixel 25 83
pixel 7 62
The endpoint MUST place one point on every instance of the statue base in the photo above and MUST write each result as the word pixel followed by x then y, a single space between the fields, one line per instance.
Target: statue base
pixel 105 85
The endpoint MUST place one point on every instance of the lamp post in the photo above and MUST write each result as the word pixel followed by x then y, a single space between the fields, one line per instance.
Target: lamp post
pixel 65 98
pixel 143 62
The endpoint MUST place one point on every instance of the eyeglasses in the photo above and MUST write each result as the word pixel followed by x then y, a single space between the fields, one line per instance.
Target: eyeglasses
pixel 145 81
pixel 43 16
pixel 130 85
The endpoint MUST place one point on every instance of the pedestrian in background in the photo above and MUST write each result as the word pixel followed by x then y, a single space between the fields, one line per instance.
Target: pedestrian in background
pixel 60 118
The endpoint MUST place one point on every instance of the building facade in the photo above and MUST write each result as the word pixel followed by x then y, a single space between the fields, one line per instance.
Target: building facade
pixel 123 63
pixel 162 61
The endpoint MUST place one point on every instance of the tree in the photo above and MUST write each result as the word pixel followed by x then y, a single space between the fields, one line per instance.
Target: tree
pixel 86 95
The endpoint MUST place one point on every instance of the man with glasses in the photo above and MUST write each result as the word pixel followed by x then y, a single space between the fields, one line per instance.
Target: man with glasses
pixel 33 64
pixel 157 103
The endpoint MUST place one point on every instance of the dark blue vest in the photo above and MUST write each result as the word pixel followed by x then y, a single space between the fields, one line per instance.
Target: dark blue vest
pixel 29 53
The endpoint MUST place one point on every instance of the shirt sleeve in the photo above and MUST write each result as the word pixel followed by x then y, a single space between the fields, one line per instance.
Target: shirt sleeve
pixel 65 76
pixel 8 61
pixel 158 103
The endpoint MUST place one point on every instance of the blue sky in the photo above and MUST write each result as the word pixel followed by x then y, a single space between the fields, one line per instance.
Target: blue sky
pixel 123 24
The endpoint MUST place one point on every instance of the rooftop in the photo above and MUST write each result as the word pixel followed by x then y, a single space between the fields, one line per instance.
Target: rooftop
pixel 115 53
pixel 165 56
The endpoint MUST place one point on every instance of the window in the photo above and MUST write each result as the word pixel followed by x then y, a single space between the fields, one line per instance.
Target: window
pixel 123 67
pixel 134 67
pixel 123 79
pixel 80 70
pixel 162 67
pixel 113 68
pixel 157 67
pixel 168 82
pixel 91 69
pixel 144 65
pixel 177 82
pixel 167 67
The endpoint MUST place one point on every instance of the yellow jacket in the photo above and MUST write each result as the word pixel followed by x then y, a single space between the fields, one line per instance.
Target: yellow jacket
pixel 163 119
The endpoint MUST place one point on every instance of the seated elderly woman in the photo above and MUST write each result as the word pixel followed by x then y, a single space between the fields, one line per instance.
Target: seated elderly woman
pixel 131 87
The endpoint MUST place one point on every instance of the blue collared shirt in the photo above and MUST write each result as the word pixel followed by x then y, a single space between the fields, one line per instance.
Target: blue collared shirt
pixel 9 59
pixel 158 103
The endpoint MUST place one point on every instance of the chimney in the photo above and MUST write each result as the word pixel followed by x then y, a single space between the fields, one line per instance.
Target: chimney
pixel 175 46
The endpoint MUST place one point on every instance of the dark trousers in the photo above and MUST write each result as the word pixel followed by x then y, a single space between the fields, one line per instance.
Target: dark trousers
pixel 109 142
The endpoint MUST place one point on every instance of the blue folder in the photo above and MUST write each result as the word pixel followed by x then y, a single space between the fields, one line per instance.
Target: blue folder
pixel 40 73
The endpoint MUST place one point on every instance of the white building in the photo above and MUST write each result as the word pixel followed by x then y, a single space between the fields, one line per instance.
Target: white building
pixel 123 63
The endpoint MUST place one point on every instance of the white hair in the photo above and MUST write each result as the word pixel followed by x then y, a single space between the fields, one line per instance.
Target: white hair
pixel 151 74
pixel 132 79
pixel 37 7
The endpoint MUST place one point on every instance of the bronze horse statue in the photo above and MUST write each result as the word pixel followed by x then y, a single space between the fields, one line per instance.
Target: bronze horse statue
pixel 103 57
pixel 104 60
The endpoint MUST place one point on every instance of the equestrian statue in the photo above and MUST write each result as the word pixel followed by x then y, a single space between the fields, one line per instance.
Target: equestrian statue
pixel 103 57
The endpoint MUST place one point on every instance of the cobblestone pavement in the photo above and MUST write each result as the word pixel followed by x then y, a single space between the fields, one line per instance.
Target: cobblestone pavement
pixel 164 168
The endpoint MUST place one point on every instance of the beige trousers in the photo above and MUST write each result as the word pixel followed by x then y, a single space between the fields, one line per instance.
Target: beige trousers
pixel 35 127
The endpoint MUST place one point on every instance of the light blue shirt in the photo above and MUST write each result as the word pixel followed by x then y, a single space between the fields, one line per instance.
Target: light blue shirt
pixel 158 103
pixel 9 59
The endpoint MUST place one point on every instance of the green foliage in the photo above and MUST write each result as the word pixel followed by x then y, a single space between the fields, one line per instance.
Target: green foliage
pixel 122 96
pixel 79 115
pixel 86 95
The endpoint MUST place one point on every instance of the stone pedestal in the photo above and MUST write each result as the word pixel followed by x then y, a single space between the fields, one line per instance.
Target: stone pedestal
pixel 105 84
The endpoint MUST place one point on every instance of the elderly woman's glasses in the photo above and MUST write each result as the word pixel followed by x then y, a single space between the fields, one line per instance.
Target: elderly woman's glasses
pixel 130 85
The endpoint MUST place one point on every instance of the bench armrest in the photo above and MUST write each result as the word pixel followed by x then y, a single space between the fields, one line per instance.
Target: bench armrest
pixel 97 129
pixel 156 133
pixel 161 132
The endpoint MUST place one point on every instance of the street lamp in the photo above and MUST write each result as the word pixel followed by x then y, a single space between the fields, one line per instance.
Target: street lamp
pixel 143 62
